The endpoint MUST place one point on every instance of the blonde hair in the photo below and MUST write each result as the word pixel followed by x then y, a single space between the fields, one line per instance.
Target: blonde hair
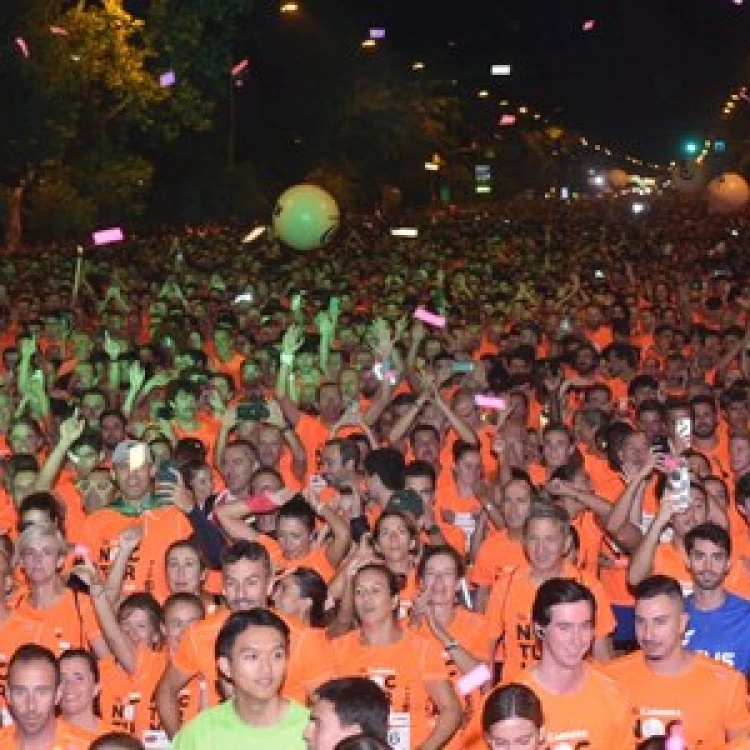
pixel 36 531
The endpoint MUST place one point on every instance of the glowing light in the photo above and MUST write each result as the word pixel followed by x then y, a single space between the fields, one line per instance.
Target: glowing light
pixel 369 43
pixel 289 8
pixel 417 65
pixel 500 70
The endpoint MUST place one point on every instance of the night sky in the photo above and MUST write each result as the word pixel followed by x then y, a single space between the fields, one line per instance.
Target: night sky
pixel 650 74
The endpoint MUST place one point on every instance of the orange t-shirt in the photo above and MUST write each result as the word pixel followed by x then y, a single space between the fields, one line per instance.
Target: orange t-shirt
pixel 127 701
pixel 498 555
pixel 597 715
pixel 69 624
pixel 401 670
pixel 509 613
pixel 146 569
pixel 591 537
pixel 316 559
pixel 709 698
pixel 67 737
pixel 313 434
pixel 309 656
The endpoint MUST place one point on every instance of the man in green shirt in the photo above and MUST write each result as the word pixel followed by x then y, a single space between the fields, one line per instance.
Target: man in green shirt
pixel 252 650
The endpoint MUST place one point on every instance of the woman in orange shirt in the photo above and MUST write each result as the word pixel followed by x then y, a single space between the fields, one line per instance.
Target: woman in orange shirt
pixel 512 718
pixel 80 687
pixel 396 540
pixel 425 710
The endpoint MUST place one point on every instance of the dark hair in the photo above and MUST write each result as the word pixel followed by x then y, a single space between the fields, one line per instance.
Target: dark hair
pixel 513 701
pixel 238 622
pixel 704 400
pixel 189 449
pixel 44 502
pixel 659 585
pixel 113 413
pixel 31 652
pixel 245 550
pixel 559 591
pixel 347 450
pixel 188 543
pixel 116 741
pixel 394 586
pixel 447 551
pixel 742 491
pixel 461 448
pixel 709 532
pixel 357 701
pixel 86 655
pixel 299 510
pixel 89 438
pixel 420 469
pixel 362 742
pixel 388 465
pixel 313 587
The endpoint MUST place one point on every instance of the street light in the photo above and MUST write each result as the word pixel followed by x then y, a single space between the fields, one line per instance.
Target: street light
pixel 290 7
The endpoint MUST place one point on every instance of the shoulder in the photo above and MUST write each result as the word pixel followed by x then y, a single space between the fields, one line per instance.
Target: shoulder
pixel 623 667
pixel 708 669
pixel 605 685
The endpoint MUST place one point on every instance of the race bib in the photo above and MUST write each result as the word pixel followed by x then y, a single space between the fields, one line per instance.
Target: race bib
pixel 399 731
pixel 156 739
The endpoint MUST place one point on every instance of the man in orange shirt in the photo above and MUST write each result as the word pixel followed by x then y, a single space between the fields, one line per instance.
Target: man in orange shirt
pixel 502 549
pixel 667 684
pixel 246 573
pixel 34 686
pixel 162 523
pixel 582 707
pixel 546 542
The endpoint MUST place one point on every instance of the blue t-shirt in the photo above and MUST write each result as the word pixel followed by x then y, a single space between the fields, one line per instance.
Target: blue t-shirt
pixel 721 633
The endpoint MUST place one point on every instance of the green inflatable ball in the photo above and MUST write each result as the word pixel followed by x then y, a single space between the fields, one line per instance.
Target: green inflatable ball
pixel 305 217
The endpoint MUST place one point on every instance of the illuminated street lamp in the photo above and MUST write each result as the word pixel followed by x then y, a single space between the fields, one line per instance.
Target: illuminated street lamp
pixel 417 66
pixel 289 7
pixel 369 44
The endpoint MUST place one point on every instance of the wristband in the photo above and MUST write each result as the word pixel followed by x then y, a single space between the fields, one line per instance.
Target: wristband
pixel 287 359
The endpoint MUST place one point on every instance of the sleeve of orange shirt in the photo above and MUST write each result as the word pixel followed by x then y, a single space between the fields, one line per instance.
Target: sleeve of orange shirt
pixel 187 657
pixel 737 715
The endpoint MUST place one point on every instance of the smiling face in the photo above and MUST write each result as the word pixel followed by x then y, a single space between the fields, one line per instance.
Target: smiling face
pixel 257 663
pixel 373 601
pixel 79 687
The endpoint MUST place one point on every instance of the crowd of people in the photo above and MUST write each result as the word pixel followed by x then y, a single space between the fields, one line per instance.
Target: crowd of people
pixel 251 500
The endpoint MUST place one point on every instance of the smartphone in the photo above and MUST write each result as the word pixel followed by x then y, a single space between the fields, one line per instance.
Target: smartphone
pixel 466 366
pixel 167 472
pixel 683 429
pixel 254 410
pixel 679 483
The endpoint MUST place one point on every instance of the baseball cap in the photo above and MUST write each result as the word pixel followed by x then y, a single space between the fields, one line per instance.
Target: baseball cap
pixel 135 453
pixel 407 501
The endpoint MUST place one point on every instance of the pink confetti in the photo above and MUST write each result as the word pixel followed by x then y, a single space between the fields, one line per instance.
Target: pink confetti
pixel 106 236
pixel 21 44
pixel 58 31
pixel 167 79
pixel 474 679
pixel 430 318
pixel 508 120
pixel 490 402
pixel 241 65
pixel 589 25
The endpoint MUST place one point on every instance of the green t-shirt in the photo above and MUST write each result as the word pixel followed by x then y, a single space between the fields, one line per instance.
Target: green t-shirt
pixel 222 728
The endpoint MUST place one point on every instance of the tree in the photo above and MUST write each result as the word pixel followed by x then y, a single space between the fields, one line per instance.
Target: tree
pixel 86 105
